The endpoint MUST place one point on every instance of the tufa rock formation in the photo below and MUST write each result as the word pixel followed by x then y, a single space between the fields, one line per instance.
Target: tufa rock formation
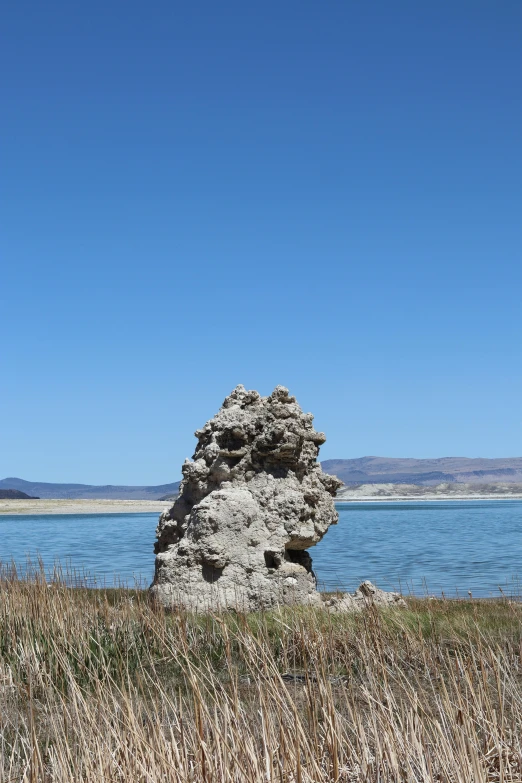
pixel 251 503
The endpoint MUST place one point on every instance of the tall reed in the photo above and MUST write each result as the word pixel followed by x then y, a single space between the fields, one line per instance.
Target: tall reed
pixel 102 685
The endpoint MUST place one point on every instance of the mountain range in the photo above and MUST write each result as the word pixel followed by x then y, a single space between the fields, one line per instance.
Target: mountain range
pixel 86 491
pixel 426 472
pixel 364 470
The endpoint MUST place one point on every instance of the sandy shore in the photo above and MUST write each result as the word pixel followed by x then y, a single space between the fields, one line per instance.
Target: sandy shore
pixel 83 506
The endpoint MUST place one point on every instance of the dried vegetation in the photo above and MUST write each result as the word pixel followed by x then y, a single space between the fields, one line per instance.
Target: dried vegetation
pixel 105 686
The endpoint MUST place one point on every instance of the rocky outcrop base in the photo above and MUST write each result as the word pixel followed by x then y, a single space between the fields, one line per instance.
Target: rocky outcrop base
pixel 365 595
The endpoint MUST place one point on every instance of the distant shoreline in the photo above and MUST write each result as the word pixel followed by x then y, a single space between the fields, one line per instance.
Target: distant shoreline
pixel 444 491
pixel 76 506
pixel 66 506
pixel 424 498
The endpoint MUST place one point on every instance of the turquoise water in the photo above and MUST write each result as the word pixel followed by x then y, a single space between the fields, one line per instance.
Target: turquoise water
pixel 419 547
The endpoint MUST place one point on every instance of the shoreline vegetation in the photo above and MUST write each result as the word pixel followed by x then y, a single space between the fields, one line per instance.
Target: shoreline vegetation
pixel 347 494
pixel 105 685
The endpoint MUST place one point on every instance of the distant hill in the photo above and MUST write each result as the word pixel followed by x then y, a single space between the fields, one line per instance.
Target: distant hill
pixel 15 494
pixel 86 491
pixel 426 472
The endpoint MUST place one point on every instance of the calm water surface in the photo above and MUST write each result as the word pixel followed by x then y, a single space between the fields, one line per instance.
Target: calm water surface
pixel 417 546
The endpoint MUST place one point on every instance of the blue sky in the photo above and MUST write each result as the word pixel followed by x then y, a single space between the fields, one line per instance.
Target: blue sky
pixel 195 195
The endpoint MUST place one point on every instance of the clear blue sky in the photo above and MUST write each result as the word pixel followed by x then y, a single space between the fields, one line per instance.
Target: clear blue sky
pixel 325 195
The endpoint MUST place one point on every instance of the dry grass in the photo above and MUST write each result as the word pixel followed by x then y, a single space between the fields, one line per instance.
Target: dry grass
pixel 103 686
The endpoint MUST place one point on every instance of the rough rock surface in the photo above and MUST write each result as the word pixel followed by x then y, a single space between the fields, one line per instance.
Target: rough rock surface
pixel 251 502
pixel 365 595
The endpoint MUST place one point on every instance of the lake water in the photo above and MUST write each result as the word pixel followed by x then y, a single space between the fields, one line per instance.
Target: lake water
pixel 419 547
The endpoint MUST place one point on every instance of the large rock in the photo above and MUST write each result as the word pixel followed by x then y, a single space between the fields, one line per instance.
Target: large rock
pixel 251 502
